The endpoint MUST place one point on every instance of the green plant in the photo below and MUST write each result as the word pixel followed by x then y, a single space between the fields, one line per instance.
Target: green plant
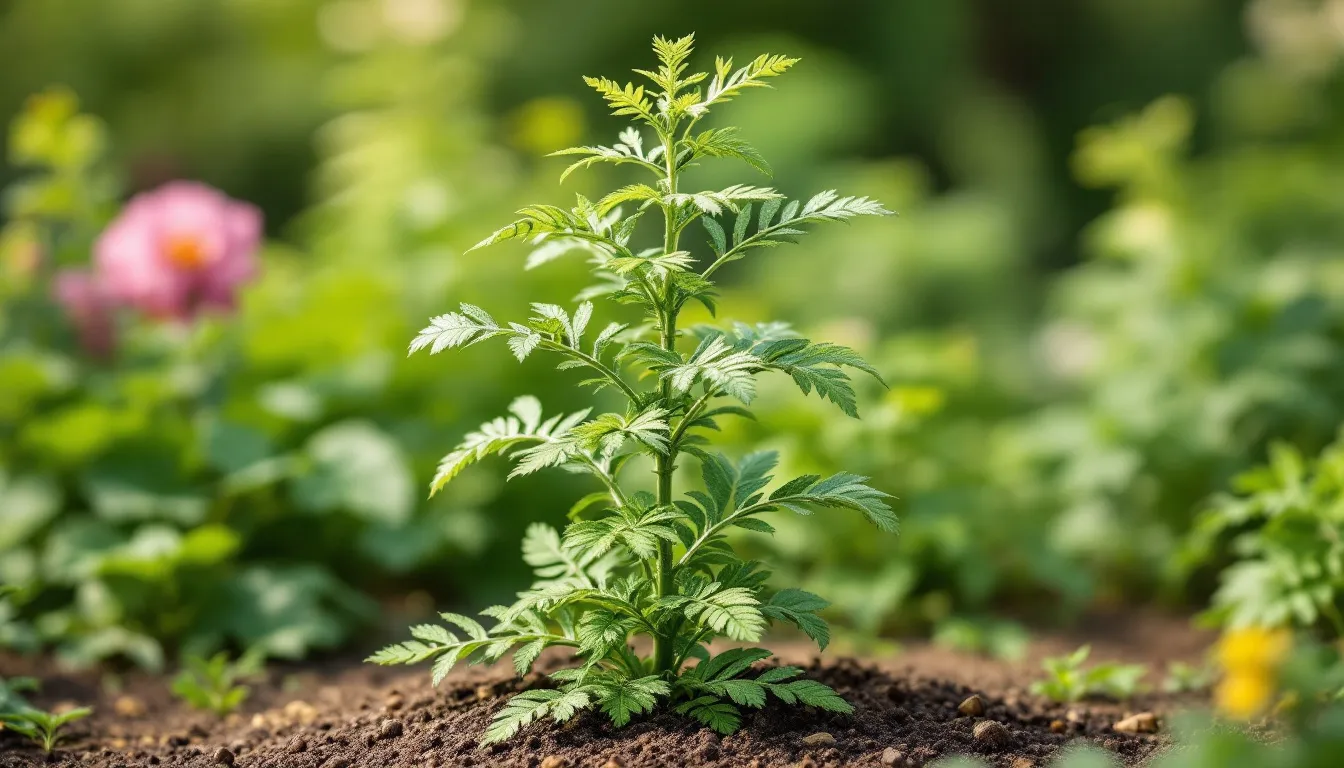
pixel 11 693
pixel 1067 680
pixel 1187 678
pixel 213 684
pixel 1283 526
pixel 640 562
pixel 42 727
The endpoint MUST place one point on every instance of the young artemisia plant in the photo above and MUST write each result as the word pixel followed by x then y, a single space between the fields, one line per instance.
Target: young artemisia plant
pixel 638 562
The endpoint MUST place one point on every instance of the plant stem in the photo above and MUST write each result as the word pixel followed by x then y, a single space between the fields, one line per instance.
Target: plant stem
pixel 665 465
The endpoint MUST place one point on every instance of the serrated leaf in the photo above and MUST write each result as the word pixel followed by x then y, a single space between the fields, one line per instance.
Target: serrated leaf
pixel 620 700
pixel 529 706
pixel 522 426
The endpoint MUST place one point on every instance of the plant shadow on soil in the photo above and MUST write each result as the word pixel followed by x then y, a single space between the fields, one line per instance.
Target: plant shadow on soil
pixel 348 715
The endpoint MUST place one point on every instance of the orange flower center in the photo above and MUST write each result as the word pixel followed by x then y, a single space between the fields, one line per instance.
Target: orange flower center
pixel 185 251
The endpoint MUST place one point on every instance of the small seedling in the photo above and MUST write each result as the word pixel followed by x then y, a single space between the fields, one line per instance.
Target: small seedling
pixel 213 684
pixel 634 562
pixel 1187 678
pixel 42 727
pixel 1067 680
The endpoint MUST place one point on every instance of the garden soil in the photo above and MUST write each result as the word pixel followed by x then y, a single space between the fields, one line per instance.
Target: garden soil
pixel 908 712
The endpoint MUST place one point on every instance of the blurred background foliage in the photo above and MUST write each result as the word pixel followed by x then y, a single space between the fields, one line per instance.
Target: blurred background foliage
pixel 1116 278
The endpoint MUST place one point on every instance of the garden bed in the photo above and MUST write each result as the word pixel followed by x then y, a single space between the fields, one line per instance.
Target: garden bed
pixel 348 714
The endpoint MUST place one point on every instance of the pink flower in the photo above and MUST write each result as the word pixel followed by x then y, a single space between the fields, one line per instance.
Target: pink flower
pixel 178 250
pixel 89 308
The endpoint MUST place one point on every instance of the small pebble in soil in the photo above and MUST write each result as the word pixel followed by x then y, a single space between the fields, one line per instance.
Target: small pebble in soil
pixel 552 761
pixel 990 733
pixel 1023 762
pixel 223 756
pixel 484 692
pixel 300 711
pixel 129 707
pixel 972 707
pixel 390 729
pixel 298 744
pixel 819 739
pixel 1058 726
pixel 612 763
pixel 394 702
pixel 894 757
pixel 1143 722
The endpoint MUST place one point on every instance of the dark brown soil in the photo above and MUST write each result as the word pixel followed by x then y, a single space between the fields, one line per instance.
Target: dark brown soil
pixel 353 715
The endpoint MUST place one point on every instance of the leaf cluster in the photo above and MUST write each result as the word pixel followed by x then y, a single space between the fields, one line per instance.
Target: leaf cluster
pixel 1282 527
pixel 632 561
pixel 1067 679
pixel 214 684
pixel 44 728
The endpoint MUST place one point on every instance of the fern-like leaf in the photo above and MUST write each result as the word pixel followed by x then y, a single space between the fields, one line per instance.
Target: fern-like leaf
pixel 624 698
pixel 456 329
pixel 728 82
pixel 842 490
pixel 523 425
pixel 800 609
pixel 529 706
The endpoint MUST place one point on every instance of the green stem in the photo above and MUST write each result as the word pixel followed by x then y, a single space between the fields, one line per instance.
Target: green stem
pixel 665 465
pixel 595 364
pixel 729 520
pixel 691 414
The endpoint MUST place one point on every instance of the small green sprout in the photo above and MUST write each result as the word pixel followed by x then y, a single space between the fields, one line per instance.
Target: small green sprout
pixel 1067 680
pixel 42 727
pixel 1187 678
pixel 212 684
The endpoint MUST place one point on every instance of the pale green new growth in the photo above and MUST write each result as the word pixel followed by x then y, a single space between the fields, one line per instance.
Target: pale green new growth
pixel 44 728
pixel 214 684
pixel 640 562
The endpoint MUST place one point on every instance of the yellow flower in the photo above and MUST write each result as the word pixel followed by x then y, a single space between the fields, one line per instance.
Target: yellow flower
pixel 1244 696
pixel 1253 650
pixel 1250 659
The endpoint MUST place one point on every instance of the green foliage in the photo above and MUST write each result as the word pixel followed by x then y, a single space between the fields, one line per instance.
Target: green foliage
pixel 637 562
pixel 1001 639
pixel 11 693
pixel 42 727
pixel 214 684
pixel 1282 528
pixel 1308 724
pixel 1068 680
pixel 1187 678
